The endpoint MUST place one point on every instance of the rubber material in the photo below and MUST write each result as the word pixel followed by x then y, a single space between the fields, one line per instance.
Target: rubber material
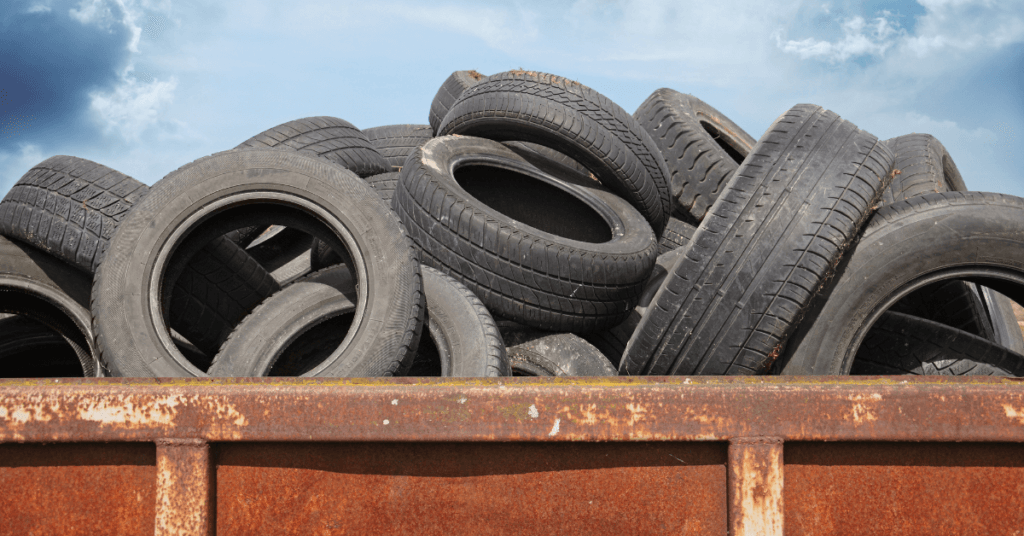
pixel 534 276
pixel 972 236
pixel 904 344
pixel 1007 331
pixel 764 249
pixel 46 290
pixel 464 337
pixel 448 93
pixel 677 234
pixel 924 167
pixel 384 184
pixel 701 146
pixel 69 207
pixel 396 142
pixel 541 353
pixel 258 187
pixel 30 349
pixel 332 138
pixel 576 121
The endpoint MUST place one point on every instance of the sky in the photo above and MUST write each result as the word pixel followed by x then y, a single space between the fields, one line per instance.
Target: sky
pixel 146 86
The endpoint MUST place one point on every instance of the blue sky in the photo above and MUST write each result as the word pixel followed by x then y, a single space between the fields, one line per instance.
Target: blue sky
pixel 145 86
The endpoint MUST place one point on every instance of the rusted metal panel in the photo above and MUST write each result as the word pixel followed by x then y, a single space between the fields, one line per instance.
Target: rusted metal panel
pixel 755 486
pixel 77 489
pixel 534 409
pixel 904 488
pixel 184 488
pixel 478 488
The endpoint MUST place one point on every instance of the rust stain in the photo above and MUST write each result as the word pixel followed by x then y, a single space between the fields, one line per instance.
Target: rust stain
pixel 183 488
pixel 757 486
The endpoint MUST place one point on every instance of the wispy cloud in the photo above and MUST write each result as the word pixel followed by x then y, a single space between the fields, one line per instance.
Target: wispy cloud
pixel 133 106
pixel 860 38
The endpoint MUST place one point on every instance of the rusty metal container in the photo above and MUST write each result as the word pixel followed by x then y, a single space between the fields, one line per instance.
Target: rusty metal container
pixel 743 456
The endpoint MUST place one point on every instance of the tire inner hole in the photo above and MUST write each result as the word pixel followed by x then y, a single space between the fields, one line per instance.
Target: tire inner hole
pixel 724 142
pixel 534 202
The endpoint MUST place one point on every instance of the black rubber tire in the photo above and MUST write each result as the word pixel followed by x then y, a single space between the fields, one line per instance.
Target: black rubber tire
pixel 30 349
pixel 69 207
pixel 701 146
pixel 396 142
pixel 764 249
pixel 538 277
pixel 451 89
pixel 972 236
pixel 957 304
pixel 1006 330
pixel 612 341
pixel 283 252
pixel 576 121
pixel 42 288
pixel 677 234
pixel 465 340
pixel 924 167
pixel 384 184
pixel 529 151
pixel 332 138
pixel 542 353
pixel 268 334
pixel 247 187
pixel 904 344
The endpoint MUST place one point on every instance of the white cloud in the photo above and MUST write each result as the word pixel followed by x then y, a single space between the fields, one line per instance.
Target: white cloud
pixel 14 164
pixel 38 8
pixel 860 38
pixel 966 25
pixel 500 27
pixel 133 106
pixel 106 13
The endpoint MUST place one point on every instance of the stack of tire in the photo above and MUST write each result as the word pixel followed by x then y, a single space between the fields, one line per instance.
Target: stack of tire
pixel 533 228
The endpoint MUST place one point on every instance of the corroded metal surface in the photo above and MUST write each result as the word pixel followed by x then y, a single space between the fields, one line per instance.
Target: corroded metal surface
pixel 77 489
pixel 670 409
pixel 755 486
pixel 904 488
pixel 471 488
pixel 184 480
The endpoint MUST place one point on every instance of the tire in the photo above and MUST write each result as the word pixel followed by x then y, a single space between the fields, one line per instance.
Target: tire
pixel 464 340
pixel 396 142
pixel 766 246
pixel 701 146
pixel 924 167
pixel 384 184
pixel 69 207
pixel 30 349
pixel 48 291
pixel 677 234
pixel 533 248
pixel 283 252
pixel 529 151
pixel 448 93
pixel 904 344
pixel 1006 330
pixel 331 138
pixel 576 121
pixel 235 189
pixel 906 246
pixel 541 353
pixel 612 341
pixel 270 333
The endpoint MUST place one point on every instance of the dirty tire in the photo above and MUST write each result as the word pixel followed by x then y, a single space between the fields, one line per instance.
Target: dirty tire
pixel 268 335
pixel 312 195
pixel 612 341
pixel 904 344
pixel 396 142
pixel 701 146
pixel 283 252
pixel 46 290
pixel 331 138
pixel 528 150
pixel 384 184
pixel 542 353
pixel 69 207
pixel 677 234
pixel 30 349
pixel 555 256
pixel 464 336
pixel 451 89
pixel 576 121
pixel 1006 330
pixel 924 166
pixel 768 243
pixel 905 246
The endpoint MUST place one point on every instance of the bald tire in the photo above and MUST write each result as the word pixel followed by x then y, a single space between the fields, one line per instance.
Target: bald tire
pixel 904 344
pixel 769 242
pixel 701 146
pixel 576 121
pixel 326 137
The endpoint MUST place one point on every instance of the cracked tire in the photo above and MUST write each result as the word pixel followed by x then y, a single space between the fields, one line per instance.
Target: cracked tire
pixel 768 243
pixel 576 121
pixel 701 146
pixel 533 248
